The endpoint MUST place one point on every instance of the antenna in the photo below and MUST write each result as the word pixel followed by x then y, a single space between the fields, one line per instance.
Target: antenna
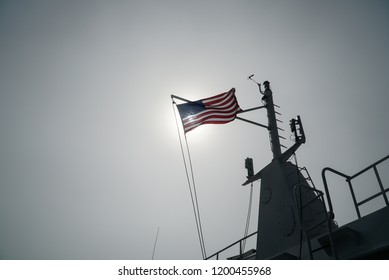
pixel 251 78
pixel 296 126
pixel 248 164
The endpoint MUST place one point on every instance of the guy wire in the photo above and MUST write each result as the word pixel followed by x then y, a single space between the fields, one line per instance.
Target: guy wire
pixel 155 243
pixel 195 210
pixel 195 195
pixel 248 218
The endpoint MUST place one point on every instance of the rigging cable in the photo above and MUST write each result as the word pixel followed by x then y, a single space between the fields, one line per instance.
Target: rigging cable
pixel 195 197
pixel 301 210
pixel 248 218
pixel 155 244
pixel 194 201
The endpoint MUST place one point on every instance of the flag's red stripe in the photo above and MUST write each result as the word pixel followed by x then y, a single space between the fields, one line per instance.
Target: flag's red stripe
pixel 219 98
pixel 212 118
pixel 221 103
pixel 211 121
pixel 229 107
pixel 212 112
pixel 219 109
pixel 223 117
pixel 216 116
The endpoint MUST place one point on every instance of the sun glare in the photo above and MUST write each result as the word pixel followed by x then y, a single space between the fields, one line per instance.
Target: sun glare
pixel 173 122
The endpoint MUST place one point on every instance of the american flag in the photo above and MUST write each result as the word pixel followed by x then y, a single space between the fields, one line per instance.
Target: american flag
pixel 218 109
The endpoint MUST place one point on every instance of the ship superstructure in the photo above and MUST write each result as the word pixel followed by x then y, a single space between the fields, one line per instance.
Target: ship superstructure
pixel 296 220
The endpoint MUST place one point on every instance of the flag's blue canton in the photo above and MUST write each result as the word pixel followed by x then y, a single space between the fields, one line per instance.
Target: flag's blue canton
pixel 190 108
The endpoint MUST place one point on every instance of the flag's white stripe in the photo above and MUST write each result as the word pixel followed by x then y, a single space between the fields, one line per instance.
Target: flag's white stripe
pixel 219 99
pixel 190 127
pixel 231 105
pixel 208 116
pixel 216 99
pixel 219 96
pixel 222 104
pixel 219 109
pixel 199 117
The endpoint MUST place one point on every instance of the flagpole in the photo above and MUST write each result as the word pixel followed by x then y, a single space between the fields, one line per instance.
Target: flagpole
pixel 179 98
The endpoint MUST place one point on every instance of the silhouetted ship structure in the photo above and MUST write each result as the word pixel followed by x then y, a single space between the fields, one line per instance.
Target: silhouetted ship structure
pixel 296 220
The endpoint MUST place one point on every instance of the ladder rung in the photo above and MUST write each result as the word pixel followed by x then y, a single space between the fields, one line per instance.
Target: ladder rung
pixel 320 248
pixel 315 226
pixel 312 200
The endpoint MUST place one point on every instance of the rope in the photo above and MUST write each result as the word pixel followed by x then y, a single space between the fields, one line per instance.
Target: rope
pixel 246 230
pixel 301 210
pixel 194 200
pixel 195 196
pixel 155 244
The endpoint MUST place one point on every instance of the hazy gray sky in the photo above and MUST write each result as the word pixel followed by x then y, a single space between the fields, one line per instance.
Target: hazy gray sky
pixel 90 162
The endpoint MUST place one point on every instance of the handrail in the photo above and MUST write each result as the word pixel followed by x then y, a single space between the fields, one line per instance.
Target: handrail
pixel 356 204
pixel 349 178
pixel 229 246
pixel 331 211
pixel 331 215
pixel 370 166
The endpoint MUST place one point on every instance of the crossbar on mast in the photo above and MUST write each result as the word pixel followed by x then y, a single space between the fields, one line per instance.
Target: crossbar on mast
pixel 251 109
pixel 255 123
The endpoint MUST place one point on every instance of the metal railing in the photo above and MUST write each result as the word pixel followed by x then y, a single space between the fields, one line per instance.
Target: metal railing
pixel 298 201
pixel 348 178
pixel 231 245
pixel 308 176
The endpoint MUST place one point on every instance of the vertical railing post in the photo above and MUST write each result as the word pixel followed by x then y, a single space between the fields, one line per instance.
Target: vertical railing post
pixel 353 197
pixel 240 248
pixel 381 186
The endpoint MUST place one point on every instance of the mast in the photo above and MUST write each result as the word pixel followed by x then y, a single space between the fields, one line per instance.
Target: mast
pixel 293 221
pixel 271 114
pixel 288 204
